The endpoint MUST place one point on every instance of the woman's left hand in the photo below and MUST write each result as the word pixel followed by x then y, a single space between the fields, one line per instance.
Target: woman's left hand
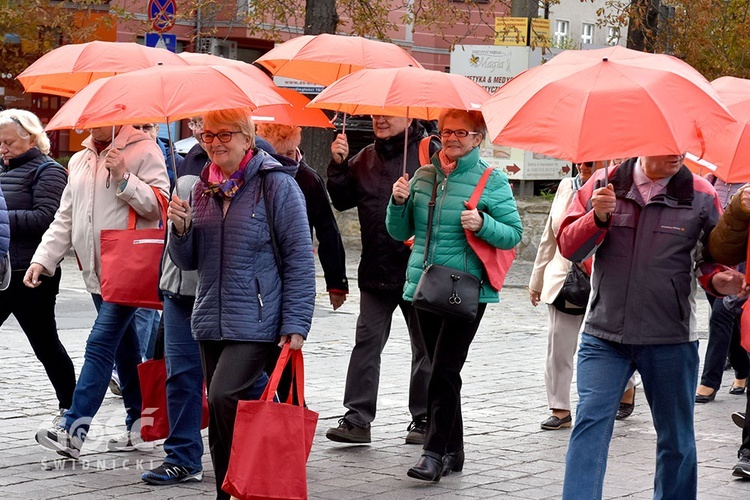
pixel 295 341
pixel 471 220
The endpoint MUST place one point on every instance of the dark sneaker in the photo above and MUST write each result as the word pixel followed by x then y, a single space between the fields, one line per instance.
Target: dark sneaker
pixel 742 467
pixel 554 423
pixel 172 474
pixel 59 440
pixel 114 384
pixel 347 432
pixel 128 441
pixel 416 431
pixel 738 418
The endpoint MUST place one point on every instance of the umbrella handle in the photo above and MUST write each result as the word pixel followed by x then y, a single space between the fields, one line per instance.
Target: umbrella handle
pixel 406 144
pixel 174 165
pixel 343 125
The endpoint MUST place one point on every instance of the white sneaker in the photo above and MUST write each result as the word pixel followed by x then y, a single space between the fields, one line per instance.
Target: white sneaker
pixel 114 384
pixel 128 441
pixel 59 440
pixel 58 418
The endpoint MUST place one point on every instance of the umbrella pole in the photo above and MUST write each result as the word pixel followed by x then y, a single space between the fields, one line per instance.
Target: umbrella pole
pixel 343 125
pixel 406 144
pixel 173 165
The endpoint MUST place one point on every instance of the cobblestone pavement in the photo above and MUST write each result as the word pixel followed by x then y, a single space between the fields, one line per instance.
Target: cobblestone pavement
pixel 508 455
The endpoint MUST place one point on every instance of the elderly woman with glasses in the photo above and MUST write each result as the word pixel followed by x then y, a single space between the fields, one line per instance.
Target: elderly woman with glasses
pixel 451 177
pixel 244 229
pixel 33 183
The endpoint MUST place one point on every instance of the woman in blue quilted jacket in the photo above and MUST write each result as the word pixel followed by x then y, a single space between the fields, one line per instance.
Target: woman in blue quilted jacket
pixel 247 235
pixel 456 169
pixel 33 183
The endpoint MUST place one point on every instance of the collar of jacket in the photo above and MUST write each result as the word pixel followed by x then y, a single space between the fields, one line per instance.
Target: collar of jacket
pixel 679 192
pixel 394 146
pixel 462 164
pixel 22 159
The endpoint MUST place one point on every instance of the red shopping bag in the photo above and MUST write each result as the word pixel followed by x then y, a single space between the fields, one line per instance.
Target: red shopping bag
pixel 130 262
pixel 272 441
pixel 496 261
pixel 154 417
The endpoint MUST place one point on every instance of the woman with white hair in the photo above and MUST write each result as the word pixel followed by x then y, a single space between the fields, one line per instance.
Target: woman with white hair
pixel 33 183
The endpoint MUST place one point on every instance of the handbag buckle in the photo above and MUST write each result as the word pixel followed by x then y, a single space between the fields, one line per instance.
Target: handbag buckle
pixel 454 299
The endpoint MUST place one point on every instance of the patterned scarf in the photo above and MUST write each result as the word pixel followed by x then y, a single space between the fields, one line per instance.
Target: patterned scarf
pixel 216 184
pixel 447 165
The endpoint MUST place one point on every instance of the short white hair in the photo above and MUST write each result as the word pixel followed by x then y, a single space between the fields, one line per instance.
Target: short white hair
pixel 27 125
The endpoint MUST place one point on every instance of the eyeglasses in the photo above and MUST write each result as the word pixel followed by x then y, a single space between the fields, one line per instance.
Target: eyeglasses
pixel 195 125
pixel 460 133
pixel 223 137
pixel 145 128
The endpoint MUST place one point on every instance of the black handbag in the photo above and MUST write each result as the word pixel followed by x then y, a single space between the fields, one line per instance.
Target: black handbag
pixel 577 286
pixel 443 290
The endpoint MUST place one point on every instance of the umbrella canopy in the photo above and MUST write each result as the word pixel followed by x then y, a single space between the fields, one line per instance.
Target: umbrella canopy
pixel 325 58
pixel 67 69
pixel 608 103
pixel 729 150
pixel 162 94
pixel 409 92
pixel 292 113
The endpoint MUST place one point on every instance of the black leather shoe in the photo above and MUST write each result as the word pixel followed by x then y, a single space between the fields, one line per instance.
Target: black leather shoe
pixel 736 391
pixel 453 461
pixel 699 398
pixel 428 468
pixel 738 418
pixel 554 423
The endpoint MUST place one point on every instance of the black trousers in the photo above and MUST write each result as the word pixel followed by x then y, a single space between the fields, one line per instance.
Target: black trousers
pixel 231 370
pixel 34 309
pixel 746 428
pixel 447 342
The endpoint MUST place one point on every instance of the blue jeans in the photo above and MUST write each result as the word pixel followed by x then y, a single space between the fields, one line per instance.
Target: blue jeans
pixel 184 446
pixel 669 374
pixel 146 323
pixel 112 339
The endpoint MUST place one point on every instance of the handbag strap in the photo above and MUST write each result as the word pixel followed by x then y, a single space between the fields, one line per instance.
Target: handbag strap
pixel 298 375
pixel 430 215
pixel 163 204
pixel 479 189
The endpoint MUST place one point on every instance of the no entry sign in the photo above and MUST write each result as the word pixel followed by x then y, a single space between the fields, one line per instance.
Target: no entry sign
pixel 162 14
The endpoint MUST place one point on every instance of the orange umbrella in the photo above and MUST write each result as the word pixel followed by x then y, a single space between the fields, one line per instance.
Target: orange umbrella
pixel 325 58
pixel 293 113
pixel 606 103
pixel 409 92
pixel 162 94
pixel 67 69
pixel 729 150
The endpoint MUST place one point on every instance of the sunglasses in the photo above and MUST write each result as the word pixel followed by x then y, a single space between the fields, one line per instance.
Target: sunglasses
pixel 145 128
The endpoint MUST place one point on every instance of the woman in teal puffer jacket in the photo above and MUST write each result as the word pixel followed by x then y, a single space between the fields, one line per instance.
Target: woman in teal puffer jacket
pixel 457 168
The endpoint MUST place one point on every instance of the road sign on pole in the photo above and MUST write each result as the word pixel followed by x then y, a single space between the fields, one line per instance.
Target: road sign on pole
pixel 162 40
pixel 162 14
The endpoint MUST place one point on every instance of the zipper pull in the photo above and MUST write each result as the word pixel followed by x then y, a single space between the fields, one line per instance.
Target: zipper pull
pixel 260 300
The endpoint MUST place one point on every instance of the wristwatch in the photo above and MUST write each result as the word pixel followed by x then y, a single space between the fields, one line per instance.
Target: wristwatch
pixel 124 182
pixel 126 176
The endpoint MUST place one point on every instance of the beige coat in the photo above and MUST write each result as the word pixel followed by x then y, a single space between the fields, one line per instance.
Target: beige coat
pixel 550 267
pixel 88 206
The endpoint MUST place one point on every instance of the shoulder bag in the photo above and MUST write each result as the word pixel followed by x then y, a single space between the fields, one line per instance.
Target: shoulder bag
pixel 443 290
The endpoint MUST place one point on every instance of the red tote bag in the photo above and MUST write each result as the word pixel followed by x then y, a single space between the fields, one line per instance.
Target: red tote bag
pixel 496 261
pixel 154 417
pixel 130 262
pixel 272 441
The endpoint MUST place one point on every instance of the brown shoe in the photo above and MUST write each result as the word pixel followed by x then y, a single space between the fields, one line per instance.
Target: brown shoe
pixel 416 431
pixel 347 432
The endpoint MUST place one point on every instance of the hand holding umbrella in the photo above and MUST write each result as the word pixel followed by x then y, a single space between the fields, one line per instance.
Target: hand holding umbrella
pixel 401 189
pixel 180 214
pixel 115 163
pixel 603 202
pixel 340 148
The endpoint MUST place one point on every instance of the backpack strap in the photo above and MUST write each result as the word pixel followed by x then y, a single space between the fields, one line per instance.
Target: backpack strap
pixel 472 203
pixel 44 165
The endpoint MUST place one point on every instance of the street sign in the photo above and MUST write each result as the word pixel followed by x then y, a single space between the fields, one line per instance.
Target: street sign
pixel 162 14
pixel 162 40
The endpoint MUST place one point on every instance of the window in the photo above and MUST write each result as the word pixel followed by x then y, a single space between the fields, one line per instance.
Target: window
pixel 587 33
pixel 613 35
pixel 561 31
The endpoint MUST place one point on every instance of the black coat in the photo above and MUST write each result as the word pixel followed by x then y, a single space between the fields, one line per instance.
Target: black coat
pixel 366 181
pixel 33 197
